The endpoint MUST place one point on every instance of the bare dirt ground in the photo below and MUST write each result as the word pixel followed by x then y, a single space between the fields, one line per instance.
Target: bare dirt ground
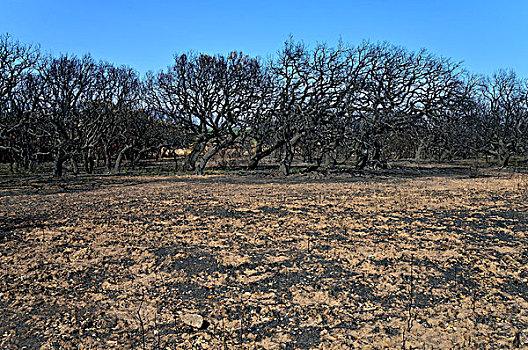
pixel 430 260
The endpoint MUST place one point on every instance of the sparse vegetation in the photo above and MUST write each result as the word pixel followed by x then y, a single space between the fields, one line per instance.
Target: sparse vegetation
pixel 415 257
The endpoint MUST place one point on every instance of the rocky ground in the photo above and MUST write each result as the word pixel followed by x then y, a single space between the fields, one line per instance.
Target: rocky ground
pixel 424 260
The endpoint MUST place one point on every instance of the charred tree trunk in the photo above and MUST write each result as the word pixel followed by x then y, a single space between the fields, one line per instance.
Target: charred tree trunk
pixel 419 151
pixel 117 165
pixel 329 161
pixel 261 154
pixel 107 159
pixel 212 151
pixel 505 160
pixel 59 163
pixel 137 158
pixel 362 159
pixel 89 161
pixel 286 162
pixel 74 165
pixel 190 162
pixel 289 153
pixel 377 158
pixel 205 158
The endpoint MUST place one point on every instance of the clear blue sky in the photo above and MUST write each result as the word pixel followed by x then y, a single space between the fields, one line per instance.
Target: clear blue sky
pixel 144 34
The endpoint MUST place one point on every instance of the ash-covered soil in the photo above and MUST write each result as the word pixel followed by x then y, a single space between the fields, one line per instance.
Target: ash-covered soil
pixel 378 262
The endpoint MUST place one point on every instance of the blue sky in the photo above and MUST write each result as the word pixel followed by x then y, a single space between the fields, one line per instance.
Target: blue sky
pixel 485 34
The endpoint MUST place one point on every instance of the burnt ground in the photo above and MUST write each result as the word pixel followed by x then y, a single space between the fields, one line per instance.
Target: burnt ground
pixel 434 260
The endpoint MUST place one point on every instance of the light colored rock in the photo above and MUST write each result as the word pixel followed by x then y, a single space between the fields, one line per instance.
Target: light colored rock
pixel 193 320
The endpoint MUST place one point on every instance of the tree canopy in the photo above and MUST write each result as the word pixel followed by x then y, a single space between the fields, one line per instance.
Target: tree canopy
pixel 322 106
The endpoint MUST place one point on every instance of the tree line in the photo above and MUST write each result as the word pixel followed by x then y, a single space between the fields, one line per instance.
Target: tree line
pixel 323 106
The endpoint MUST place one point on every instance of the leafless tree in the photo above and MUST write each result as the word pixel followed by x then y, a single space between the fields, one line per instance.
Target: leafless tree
pixel 321 106
pixel 401 93
pixel 113 115
pixel 68 81
pixel 303 100
pixel 505 118
pixel 17 64
pixel 211 96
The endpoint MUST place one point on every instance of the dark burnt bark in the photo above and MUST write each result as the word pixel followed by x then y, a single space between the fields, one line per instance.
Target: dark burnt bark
pixel 60 159
pixel 119 159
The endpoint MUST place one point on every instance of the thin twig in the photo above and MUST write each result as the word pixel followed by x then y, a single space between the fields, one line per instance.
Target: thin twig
pixel 410 306
pixel 156 330
pixel 144 345
pixel 411 296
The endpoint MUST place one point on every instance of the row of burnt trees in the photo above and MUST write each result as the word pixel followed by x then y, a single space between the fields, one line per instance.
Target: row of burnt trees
pixel 70 109
pixel 323 106
pixel 330 105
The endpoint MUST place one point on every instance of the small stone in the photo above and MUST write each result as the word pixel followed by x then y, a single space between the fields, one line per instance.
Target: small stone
pixel 193 320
